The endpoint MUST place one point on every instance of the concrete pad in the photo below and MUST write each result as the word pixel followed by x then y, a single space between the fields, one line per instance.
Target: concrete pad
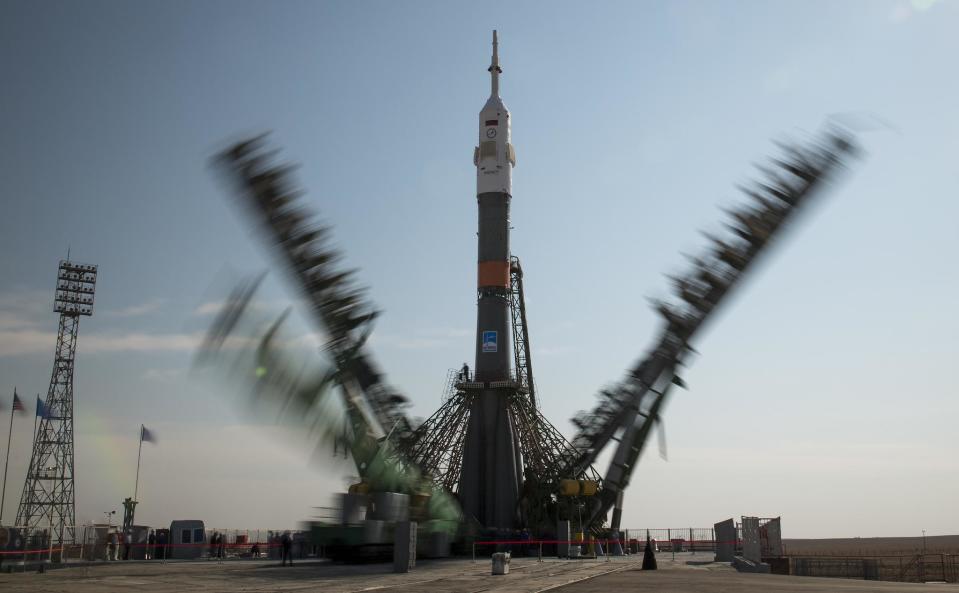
pixel 711 581
pixel 453 575
pixel 687 572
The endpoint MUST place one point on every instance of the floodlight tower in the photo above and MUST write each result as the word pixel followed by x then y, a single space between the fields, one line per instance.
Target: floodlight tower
pixel 48 499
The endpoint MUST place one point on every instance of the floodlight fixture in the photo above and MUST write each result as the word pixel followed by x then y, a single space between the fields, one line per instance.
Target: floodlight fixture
pixel 75 288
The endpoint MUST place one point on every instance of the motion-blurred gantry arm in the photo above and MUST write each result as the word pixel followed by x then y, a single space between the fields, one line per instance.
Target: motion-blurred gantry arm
pixel 338 307
pixel 627 412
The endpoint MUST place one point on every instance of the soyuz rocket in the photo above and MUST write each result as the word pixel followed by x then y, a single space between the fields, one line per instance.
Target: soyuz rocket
pixel 494 160
pixel 492 470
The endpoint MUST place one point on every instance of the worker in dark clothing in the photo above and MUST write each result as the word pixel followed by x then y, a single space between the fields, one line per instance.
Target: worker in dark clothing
pixel 163 539
pixel 287 543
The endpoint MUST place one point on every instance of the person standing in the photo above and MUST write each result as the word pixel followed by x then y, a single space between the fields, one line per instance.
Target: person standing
pixel 127 544
pixel 162 539
pixel 151 542
pixel 114 545
pixel 287 543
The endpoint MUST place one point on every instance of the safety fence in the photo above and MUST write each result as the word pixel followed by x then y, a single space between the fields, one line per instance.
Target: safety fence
pixel 680 539
pixel 917 568
pixel 107 542
pixel 588 547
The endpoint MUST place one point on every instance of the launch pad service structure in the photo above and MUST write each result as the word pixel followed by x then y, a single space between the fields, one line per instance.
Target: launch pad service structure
pixel 516 470
pixel 488 446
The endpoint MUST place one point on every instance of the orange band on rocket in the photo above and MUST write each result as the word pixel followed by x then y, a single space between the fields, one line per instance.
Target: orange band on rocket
pixel 493 273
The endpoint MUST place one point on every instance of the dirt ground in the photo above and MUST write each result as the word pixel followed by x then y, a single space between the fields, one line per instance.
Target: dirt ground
pixel 872 546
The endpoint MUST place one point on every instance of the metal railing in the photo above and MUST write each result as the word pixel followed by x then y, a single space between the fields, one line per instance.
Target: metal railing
pixel 678 539
pixel 917 568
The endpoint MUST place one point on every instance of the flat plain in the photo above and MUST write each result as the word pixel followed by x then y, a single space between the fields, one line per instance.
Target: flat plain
pixel 872 546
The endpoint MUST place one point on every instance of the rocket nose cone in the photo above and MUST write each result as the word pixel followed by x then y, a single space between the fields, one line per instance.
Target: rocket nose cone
pixel 494 103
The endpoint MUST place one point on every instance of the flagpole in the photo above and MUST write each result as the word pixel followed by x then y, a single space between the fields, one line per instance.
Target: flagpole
pixel 3 497
pixel 136 485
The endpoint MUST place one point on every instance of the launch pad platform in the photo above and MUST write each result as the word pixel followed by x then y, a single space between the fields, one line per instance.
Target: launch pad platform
pixel 687 572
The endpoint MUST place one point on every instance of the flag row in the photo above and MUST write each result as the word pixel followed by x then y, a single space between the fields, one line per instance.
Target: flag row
pixel 43 411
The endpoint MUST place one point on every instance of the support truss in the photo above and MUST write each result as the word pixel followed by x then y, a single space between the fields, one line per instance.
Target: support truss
pixel 48 500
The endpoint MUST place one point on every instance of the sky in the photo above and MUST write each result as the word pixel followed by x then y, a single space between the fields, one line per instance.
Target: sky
pixel 824 391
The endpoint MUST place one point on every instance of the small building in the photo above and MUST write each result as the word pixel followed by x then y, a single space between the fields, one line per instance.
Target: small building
pixel 187 539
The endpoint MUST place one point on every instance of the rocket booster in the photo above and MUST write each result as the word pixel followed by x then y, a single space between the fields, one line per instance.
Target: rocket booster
pixel 494 158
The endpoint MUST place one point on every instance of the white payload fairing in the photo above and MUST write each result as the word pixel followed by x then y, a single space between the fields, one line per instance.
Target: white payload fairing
pixel 494 157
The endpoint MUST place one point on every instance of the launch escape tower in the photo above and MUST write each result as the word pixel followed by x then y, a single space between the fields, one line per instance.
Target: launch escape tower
pixel 48 498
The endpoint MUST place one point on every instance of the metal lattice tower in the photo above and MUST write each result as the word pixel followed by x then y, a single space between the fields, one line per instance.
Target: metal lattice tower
pixel 48 499
pixel 522 360
pixel 437 445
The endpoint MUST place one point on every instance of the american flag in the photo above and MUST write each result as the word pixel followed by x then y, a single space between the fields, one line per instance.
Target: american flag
pixel 17 404
pixel 146 436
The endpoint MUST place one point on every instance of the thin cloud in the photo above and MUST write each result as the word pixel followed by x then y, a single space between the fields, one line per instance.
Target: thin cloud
pixel 162 374
pixel 137 310
pixel 450 332
pixel 13 321
pixel 17 342
pixel 20 342
pixel 209 308
pixel 410 343
pixel 140 342
pixel 554 351
pixel 24 309
pixel 215 307
pixel 421 340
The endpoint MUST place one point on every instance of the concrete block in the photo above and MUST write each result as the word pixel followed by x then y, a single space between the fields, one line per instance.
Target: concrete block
pixel 774 538
pixel 501 563
pixel 562 537
pixel 439 544
pixel 725 540
pixel 745 565
pixel 752 546
pixel 404 546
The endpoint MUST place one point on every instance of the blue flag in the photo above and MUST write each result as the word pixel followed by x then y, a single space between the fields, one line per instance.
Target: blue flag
pixel 42 411
pixel 146 436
